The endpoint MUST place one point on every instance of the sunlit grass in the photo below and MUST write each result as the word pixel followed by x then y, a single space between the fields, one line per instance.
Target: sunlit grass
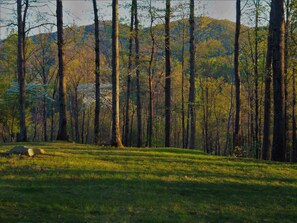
pixel 78 183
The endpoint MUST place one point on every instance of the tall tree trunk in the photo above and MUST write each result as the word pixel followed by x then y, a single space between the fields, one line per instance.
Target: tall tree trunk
pixel 279 133
pixel 62 132
pixel 236 137
pixel 97 74
pixel 116 135
pixel 137 65
pixel 192 78
pixel 256 80
pixel 286 78
pixel 167 75
pixel 128 94
pixel 294 136
pixel 22 136
pixel 150 115
pixel 184 135
pixel 266 148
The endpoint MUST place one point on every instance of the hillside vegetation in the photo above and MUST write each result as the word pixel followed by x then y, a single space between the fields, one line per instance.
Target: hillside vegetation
pixel 78 183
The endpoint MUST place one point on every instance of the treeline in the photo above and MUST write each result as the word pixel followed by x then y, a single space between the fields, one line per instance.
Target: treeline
pixel 192 82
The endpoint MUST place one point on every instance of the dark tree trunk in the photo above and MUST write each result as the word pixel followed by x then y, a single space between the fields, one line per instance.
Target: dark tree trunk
pixel 116 135
pixel 192 78
pixel 97 74
pixel 128 94
pixel 137 65
pixel 286 78
pixel 62 132
pixel 22 136
pixel 76 115
pixel 71 109
pixel 87 141
pixel 168 76
pixel 279 133
pixel 236 137
pixel 150 108
pixel 83 126
pixel 256 80
pixel 266 148
pixel 44 115
pixel 294 137
pixel 184 135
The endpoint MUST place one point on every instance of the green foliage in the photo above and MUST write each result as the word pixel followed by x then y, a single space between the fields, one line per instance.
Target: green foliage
pixel 76 183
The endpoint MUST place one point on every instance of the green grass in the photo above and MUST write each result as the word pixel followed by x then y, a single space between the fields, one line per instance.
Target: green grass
pixel 78 183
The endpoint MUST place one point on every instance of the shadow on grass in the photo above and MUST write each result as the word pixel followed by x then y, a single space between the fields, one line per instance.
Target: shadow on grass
pixel 113 196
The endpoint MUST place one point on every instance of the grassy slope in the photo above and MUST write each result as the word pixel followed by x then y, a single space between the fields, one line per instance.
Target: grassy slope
pixel 76 183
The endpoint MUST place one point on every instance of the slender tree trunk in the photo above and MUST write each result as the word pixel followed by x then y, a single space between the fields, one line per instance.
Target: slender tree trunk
pixel 229 122
pixel 236 137
pixel 192 78
pixel 286 78
pixel 97 75
pixel 45 105
pixel 71 108
pixel 44 115
pixel 76 112
pixel 167 75
pixel 266 148
pixel 137 65
pixel 256 80
pixel 184 135
pixel 88 127
pixel 35 124
pixel 150 115
pixel 52 121
pixel 294 136
pixel 53 110
pixel 128 94
pixel 116 135
pixel 22 136
pixel 83 126
pixel 62 132
pixel 279 133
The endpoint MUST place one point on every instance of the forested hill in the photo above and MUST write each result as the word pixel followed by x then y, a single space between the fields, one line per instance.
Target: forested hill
pixel 208 30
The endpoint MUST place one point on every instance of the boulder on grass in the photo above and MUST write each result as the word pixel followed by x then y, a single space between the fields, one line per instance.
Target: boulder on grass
pixel 38 151
pixel 21 150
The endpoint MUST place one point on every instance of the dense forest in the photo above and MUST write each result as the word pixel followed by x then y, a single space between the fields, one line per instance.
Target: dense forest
pixel 181 80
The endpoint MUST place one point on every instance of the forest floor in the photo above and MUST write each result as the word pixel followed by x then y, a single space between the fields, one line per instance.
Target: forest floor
pixel 77 183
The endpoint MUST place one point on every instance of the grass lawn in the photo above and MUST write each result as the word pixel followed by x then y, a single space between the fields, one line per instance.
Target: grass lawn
pixel 78 183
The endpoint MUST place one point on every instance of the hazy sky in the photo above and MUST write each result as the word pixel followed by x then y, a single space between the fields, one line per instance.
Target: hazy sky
pixel 80 11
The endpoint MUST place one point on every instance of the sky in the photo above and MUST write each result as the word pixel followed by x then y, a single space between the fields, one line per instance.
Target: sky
pixel 80 11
